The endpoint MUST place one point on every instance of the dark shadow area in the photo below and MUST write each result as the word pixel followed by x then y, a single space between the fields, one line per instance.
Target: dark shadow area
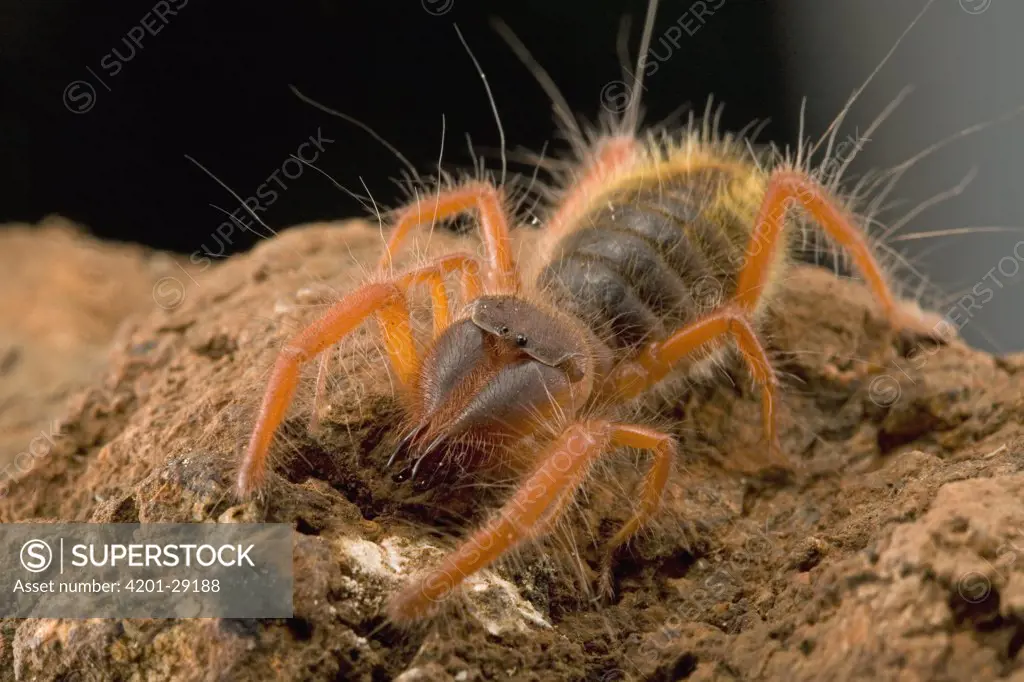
pixel 103 105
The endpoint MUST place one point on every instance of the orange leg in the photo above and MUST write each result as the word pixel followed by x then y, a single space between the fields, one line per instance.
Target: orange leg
pixel 501 276
pixel 320 390
pixel 663 447
pixel 562 468
pixel 341 319
pixel 658 358
pixel 785 187
pixel 434 276
pixel 387 301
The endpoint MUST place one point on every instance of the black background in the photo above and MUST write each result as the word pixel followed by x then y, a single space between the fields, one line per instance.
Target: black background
pixel 213 83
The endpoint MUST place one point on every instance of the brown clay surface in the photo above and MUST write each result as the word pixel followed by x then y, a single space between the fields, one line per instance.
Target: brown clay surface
pixel 889 553
pixel 63 296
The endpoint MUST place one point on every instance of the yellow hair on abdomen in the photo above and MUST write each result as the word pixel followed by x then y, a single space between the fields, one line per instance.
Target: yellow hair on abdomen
pixel 720 177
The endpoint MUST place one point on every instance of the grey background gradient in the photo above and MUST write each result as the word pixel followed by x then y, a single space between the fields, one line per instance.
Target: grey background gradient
pixel 965 62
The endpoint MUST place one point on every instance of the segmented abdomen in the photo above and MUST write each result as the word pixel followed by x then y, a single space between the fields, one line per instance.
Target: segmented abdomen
pixel 650 260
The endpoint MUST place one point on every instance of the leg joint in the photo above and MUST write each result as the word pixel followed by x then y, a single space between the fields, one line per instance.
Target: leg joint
pixel 291 353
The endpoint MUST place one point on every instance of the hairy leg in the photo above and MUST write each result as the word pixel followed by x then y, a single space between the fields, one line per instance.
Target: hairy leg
pixel 387 301
pixel 321 389
pixel 658 358
pixel 434 275
pixel 534 508
pixel 501 275
pixel 785 187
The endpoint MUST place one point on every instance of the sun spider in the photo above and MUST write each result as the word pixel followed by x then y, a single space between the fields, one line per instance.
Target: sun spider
pixel 605 310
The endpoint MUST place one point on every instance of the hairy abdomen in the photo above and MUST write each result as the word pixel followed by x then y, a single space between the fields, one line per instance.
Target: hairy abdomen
pixel 651 259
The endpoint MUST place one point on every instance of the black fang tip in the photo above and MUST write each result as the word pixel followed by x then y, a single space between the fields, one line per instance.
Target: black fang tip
pixel 431 449
pixel 402 448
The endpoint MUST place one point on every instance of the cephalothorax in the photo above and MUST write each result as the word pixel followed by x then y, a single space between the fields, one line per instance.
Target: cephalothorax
pixel 603 310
